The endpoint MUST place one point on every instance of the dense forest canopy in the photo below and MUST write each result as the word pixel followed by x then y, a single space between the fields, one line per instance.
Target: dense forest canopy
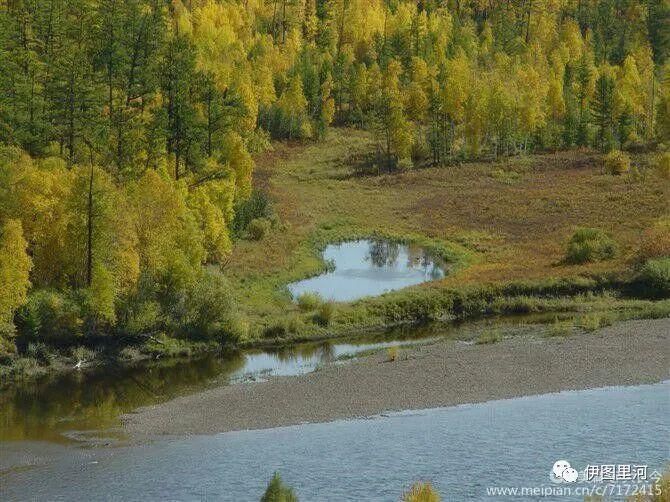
pixel 128 126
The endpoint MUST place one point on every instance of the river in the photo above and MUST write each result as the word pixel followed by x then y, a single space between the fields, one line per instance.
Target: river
pixel 463 451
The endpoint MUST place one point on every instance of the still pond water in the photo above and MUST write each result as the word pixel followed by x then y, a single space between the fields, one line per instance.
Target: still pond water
pixel 462 450
pixel 370 267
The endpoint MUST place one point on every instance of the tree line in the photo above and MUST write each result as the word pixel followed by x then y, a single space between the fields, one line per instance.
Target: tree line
pixel 128 126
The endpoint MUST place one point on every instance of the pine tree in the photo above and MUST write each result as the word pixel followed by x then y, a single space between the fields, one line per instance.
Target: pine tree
pixel 603 113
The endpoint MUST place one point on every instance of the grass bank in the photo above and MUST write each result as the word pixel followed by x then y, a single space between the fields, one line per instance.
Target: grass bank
pixel 506 239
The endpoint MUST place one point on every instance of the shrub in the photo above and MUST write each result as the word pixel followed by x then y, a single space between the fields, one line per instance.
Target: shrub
pixel 656 240
pixel 277 491
pixel 594 322
pixel 325 313
pixel 506 177
pixel 41 353
pixel 616 163
pixel 207 309
pixel 662 488
pixel 50 314
pixel 258 228
pixel 559 328
pixel 662 166
pixel 405 164
pixel 590 244
pixel 139 316
pixel 275 330
pixel 130 354
pixel 166 346
pixel 421 492
pixel 309 301
pixel 283 327
pixel 82 354
pixel 488 337
pixel 655 276
pixel 7 347
pixel 294 324
pixel 256 206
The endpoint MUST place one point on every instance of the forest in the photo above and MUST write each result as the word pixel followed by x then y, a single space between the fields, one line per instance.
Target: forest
pixel 129 129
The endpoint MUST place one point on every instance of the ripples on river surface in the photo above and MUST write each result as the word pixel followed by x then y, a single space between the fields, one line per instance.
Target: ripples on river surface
pixel 461 450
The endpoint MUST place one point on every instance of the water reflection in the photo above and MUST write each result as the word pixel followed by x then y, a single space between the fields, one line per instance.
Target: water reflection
pixel 56 409
pixel 370 267
pixel 59 408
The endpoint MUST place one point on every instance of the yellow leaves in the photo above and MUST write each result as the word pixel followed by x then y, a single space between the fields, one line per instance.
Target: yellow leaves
pixel 531 93
pixel 220 31
pixel 182 18
pixel 102 294
pixel 416 102
pixel 15 267
pixel 327 101
pixel 212 223
pixel 291 110
pixel 161 221
pixel 555 100
pixel 630 95
pixel 572 39
pixel 457 85
pixel 240 162
pixel 244 89
pixel 36 194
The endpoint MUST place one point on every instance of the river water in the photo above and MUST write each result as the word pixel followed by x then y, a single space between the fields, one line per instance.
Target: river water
pixel 86 405
pixel 462 451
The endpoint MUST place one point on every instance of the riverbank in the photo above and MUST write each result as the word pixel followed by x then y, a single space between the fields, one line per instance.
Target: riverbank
pixel 504 239
pixel 443 374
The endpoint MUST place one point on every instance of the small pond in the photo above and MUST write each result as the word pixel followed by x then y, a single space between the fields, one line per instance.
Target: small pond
pixel 370 267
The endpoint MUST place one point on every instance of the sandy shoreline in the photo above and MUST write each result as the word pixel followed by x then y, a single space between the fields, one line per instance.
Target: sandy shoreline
pixel 443 374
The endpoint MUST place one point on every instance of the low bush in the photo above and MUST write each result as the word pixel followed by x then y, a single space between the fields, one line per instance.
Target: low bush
pixel 256 206
pixel 82 354
pixel 277 491
pixel 421 492
pixel 275 330
pixel 655 242
pixel 662 165
pixel 589 245
pixel 130 354
pixel 616 163
pixel 42 353
pixel 594 322
pixel 309 301
pixel 258 229
pixel 417 306
pixel 655 277
pixel 559 328
pixel 7 347
pixel 50 315
pixel 489 337
pixel 506 177
pixel 325 313
pixel 165 346
pixel 208 310
pixel 283 327
pixel 294 324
